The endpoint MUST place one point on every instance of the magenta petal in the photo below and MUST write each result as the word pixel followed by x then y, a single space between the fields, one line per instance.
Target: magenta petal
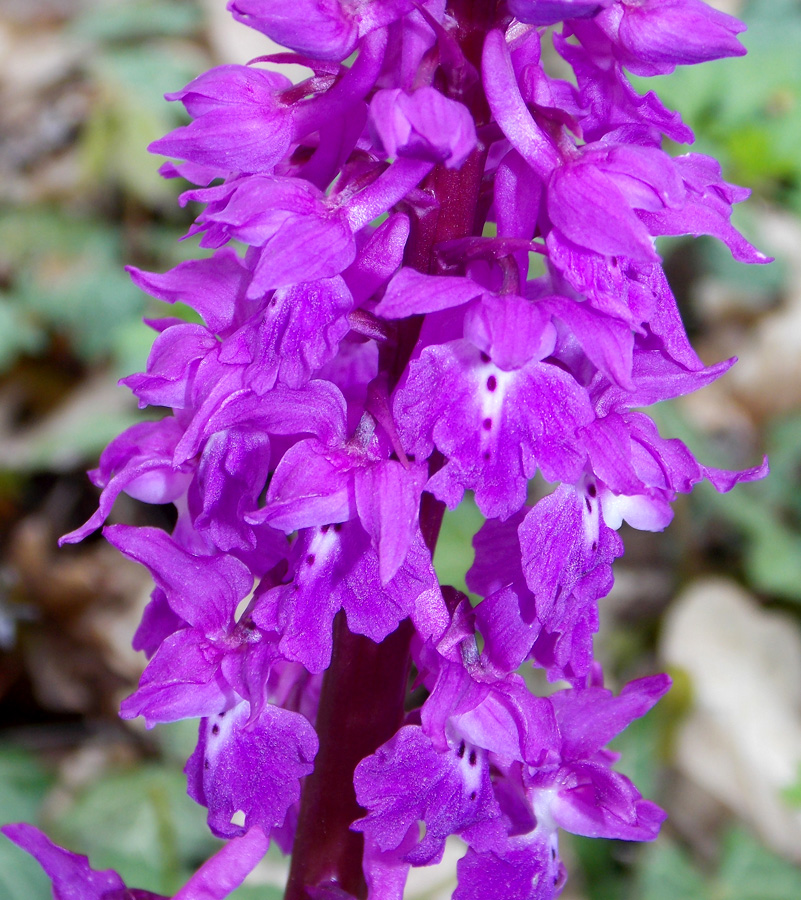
pixel 336 568
pixel 239 124
pixel 590 211
pixel 158 623
pixel 231 475
pixel 210 286
pixel 510 109
pixel 423 125
pixel 608 342
pixel 407 780
pixel 139 462
pixel 250 765
pixel 311 486
pixel 316 408
pixel 497 558
pixel 663 33
pixel 182 681
pixel 527 870
pixel 411 292
pixel 549 12
pixel 388 503
pixel 379 257
pixel 563 539
pixel 71 874
pixel 510 329
pixel 221 581
pixel 322 29
pixel 724 480
pixel 298 332
pixel 707 210
pixel 494 427
pixel 508 639
pixel 171 366
pixel 589 718
pixel 596 802
pixel 228 868
pixel 517 199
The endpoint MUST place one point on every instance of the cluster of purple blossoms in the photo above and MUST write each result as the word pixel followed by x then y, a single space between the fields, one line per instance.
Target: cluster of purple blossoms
pixel 377 342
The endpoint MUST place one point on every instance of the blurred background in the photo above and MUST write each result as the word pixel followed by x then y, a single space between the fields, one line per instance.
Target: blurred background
pixel 715 600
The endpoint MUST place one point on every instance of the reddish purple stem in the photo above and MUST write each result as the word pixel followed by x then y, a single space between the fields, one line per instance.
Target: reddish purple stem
pixel 364 688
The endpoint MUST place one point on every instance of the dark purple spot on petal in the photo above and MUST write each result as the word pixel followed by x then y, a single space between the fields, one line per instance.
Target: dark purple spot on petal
pixel 215 728
pixel 486 456
pixel 325 528
pixel 589 505
pixel 484 357
pixel 473 795
pixel 492 383
pixel 595 545
pixel 592 490
pixel 337 527
pixel 472 759
pixel 487 424
pixel 206 764
pixel 460 751
pixel 310 559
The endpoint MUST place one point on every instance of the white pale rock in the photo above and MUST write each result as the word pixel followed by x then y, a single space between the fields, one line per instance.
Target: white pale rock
pixel 741 741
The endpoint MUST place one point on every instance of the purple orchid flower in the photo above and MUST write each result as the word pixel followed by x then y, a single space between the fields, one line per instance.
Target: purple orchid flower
pixel 371 348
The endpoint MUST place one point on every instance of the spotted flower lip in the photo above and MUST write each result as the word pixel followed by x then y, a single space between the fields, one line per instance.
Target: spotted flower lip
pixel 371 343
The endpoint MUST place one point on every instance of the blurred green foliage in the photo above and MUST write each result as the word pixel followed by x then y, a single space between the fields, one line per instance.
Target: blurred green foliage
pixel 24 784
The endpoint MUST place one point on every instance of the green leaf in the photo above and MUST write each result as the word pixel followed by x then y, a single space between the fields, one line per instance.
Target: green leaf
pixel 131 113
pixel 132 21
pixel 23 785
pixel 667 873
pixel 140 823
pixel 69 277
pixel 21 877
pixel 749 871
pixel 18 334
pixel 454 553
pixel 605 878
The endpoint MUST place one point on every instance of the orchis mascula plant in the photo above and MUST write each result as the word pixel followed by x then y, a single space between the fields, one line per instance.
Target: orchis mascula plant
pixel 378 348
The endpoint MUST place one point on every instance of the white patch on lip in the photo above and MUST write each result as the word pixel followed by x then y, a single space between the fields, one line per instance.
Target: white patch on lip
pixel 220 728
pixel 471 763
pixel 493 384
pixel 322 545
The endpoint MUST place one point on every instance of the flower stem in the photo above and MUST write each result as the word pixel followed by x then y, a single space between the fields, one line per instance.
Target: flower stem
pixel 361 706
pixel 364 688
